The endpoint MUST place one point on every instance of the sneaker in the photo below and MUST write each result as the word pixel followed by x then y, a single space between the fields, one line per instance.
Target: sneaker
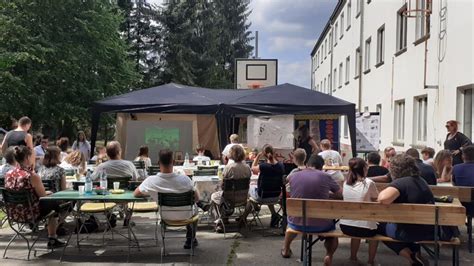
pixel 55 243
pixel 187 244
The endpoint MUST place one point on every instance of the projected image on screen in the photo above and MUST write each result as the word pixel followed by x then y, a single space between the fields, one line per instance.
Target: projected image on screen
pixel 167 138
pixel 158 135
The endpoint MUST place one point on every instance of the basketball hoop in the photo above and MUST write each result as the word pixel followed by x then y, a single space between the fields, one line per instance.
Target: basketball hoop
pixel 255 85
pixel 418 8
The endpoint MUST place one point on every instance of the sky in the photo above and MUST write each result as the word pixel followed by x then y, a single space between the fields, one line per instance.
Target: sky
pixel 288 30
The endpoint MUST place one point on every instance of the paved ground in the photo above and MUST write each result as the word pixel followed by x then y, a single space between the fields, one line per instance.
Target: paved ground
pixel 248 248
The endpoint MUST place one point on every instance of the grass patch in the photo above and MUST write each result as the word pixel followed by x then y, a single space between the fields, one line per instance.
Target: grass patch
pixel 232 253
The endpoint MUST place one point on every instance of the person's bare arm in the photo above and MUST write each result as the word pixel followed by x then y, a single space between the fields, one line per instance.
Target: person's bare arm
pixel 4 147
pixel 137 193
pixel 380 179
pixel 255 166
pixel 336 195
pixel 314 146
pixel 388 195
pixel 196 196
pixel 37 185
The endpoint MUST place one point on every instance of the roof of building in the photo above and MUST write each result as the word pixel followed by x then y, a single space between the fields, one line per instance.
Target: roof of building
pixel 335 12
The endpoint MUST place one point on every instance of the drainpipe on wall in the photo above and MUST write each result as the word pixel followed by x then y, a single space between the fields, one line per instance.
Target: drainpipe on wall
pixel 361 43
pixel 330 65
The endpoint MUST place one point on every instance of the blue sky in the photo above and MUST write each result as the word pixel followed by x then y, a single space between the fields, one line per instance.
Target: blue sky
pixel 288 30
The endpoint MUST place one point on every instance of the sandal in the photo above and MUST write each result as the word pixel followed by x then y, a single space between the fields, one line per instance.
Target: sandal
pixel 287 255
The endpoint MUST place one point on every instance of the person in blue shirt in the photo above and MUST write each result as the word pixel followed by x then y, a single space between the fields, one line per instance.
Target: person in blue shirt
pixel 463 174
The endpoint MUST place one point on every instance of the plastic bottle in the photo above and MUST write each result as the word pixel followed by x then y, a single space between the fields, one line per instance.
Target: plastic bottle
pixel 88 183
pixel 103 180
pixel 186 159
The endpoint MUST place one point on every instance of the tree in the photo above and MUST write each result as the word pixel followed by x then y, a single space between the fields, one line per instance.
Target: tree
pixel 57 59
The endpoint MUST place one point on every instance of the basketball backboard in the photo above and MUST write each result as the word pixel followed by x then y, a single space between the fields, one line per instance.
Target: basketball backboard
pixel 255 73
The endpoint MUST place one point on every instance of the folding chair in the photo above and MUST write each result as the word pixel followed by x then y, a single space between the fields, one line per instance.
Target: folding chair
pixel 153 170
pixel 13 199
pixel 234 195
pixel 123 180
pixel 141 169
pixel 174 200
pixel 145 207
pixel 267 198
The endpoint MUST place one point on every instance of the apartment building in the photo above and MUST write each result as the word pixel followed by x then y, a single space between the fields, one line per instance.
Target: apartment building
pixel 415 68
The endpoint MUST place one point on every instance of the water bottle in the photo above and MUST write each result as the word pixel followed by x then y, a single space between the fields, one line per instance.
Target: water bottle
pixel 186 159
pixel 103 180
pixel 88 183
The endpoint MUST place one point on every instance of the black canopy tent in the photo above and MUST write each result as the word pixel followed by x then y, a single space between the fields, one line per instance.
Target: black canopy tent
pixel 225 104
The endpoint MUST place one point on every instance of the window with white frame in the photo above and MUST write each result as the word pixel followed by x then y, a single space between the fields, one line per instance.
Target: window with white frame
pixel 367 55
pixel 321 85
pixel 381 45
pixel 321 56
pixel 357 60
pixel 340 75
pixel 345 127
pixel 401 29
pixel 334 81
pixel 324 85
pixel 329 82
pixel 467 111
pixel 358 3
pixel 336 26
pixel 421 20
pixel 420 116
pixel 342 25
pixel 330 42
pixel 349 7
pixel 325 47
pixel 399 122
pixel 348 68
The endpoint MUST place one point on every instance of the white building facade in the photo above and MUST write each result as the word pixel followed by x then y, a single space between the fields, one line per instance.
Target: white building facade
pixel 416 71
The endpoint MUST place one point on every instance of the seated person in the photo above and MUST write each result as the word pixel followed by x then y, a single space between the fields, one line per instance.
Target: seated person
pixel 427 172
pixel 75 161
pixel 51 169
pixel 100 155
pixel 63 144
pixel 234 140
pixel 358 188
pixel 375 169
pixel 253 154
pixel 299 157
pixel 331 158
pixel 407 187
pixel 115 166
pixel 169 182
pixel 21 179
pixel 237 170
pixel 463 173
pixel 40 149
pixel 201 157
pixel 428 154
pixel 269 183
pixel 443 164
pixel 312 183
pixel 143 156
pixel 10 162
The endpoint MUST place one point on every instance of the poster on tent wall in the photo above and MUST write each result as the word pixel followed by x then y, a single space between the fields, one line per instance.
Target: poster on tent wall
pixel 321 127
pixel 274 130
pixel 367 132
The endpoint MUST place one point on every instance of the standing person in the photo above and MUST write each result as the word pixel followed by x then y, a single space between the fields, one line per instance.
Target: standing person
pixel 455 141
pixel 428 154
pixel 63 144
pixel 19 136
pixel 82 145
pixel 40 149
pixel 234 140
pixel 306 142
pixel 443 164
pixel 312 183
pixel 388 153
pixel 331 158
pixel 407 187
pixel 358 188
pixel 169 182
pixel 20 179
pixel 427 172
pixel 51 169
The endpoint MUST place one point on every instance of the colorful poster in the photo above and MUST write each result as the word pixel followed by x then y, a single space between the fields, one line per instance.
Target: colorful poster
pixel 329 129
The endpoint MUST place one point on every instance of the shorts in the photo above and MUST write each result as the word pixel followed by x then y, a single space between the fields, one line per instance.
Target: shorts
pixel 312 229
pixel 357 231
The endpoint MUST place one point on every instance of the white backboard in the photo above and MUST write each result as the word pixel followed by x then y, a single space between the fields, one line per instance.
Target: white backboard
pixel 255 73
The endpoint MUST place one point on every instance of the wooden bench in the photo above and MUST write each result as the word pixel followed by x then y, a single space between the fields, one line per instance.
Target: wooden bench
pixel 371 211
pixel 464 194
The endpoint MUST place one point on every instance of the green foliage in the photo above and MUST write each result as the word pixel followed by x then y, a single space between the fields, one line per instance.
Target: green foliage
pixel 57 59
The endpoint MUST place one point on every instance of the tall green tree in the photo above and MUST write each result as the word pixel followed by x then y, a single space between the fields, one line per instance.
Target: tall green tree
pixel 57 58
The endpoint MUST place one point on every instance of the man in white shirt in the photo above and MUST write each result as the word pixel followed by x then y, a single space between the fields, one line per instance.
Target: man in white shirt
pixel 41 149
pixel 115 166
pixel 234 140
pixel 169 182
pixel 331 158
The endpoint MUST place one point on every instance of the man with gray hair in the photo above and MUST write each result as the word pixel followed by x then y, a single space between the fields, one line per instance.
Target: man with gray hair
pixel 115 166
pixel 234 140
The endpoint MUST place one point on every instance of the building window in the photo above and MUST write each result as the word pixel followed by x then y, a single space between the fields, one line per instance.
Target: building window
pixel 378 109
pixel 358 7
pixel 420 116
pixel 380 45
pixel 330 42
pixel 467 111
pixel 348 68
pixel 421 22
pixel 399 122
pixel 336 26
pixel 324 85
pixel 325 48
pixel 349 14
pixel 367 55
pixel 357 60
pixel 401 29
pixel 321 57
pixel 340 75
pixel 334 81
pixel 342 25
pixel 346 127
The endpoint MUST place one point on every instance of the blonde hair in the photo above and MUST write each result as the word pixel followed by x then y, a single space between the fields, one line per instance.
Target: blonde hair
pixel 77 159
pixel 326 144
pixel 300 156
pixel 439 160
pixel 234 138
